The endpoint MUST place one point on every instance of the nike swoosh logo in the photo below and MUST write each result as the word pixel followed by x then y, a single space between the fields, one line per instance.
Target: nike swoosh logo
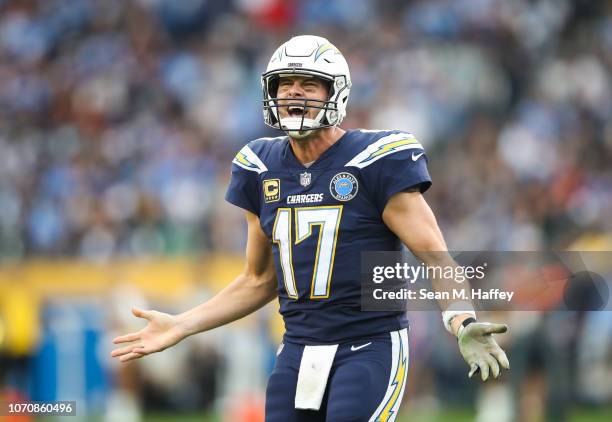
pixel 355 348
pixel 416 157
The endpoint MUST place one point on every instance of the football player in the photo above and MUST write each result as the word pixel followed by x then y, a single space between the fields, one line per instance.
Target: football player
pixel 314 200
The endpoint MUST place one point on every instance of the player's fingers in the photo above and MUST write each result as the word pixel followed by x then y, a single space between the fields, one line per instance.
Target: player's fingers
pixel 473 369
pixel 484 369
pixel 130 356
pixel 501 357
pixel 126 338
pixel 142 350
pixel 141 313
pixel 493 365
pixel 492 328
pixel 122 351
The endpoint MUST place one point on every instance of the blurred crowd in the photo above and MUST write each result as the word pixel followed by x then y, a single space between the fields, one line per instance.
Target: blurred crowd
pixel 119 120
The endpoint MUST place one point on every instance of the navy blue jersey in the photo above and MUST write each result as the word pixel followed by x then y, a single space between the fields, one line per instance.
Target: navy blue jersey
pixel 320 219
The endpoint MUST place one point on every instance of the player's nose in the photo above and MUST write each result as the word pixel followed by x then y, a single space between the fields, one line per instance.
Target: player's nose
pixel 296 90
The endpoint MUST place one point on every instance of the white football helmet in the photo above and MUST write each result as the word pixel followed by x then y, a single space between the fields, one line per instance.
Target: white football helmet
pixel 307 55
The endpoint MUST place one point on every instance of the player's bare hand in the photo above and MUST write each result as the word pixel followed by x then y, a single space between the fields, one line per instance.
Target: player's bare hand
pixel 161 332
pixel 481 351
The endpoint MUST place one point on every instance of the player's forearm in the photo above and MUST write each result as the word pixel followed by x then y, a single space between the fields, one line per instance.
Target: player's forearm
pixel 244 295
pixel 455 293
pixel 410 218
pixel 451 286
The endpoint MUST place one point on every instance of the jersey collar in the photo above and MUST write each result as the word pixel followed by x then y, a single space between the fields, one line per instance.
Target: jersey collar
pixel 323 161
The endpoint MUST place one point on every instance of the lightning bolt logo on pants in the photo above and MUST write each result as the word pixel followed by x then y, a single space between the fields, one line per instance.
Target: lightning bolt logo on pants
pixel 388 408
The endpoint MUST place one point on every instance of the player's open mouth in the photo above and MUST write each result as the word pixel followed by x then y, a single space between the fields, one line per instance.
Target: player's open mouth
pixel 296 111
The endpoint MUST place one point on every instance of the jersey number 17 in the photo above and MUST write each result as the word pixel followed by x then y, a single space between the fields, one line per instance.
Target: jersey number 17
pixel 328 219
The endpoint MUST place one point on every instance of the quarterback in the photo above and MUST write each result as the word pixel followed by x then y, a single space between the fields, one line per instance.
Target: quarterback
pixel 314 200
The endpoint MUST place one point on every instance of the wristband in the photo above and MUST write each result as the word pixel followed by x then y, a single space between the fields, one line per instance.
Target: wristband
pixel 464 324
pixel 455 309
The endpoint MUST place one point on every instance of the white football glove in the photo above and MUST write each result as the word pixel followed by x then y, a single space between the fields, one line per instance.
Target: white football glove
pixel 480 350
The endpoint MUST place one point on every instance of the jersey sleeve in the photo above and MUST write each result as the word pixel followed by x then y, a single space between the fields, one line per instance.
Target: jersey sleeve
pixel 402 171
pixel 243 189
pixel 392 164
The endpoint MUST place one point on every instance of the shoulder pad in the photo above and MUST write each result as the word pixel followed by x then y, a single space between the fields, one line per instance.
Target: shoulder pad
pixel 248 160
pixel 249 155
pixel 382 147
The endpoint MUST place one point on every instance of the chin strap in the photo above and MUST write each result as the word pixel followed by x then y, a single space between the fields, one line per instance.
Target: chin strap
pixel 299 134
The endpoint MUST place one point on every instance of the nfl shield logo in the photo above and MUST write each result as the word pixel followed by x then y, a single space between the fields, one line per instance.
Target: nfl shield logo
pixel 305 178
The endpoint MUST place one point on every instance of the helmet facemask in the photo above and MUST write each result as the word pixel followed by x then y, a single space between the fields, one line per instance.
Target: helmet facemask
pixel 299 127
